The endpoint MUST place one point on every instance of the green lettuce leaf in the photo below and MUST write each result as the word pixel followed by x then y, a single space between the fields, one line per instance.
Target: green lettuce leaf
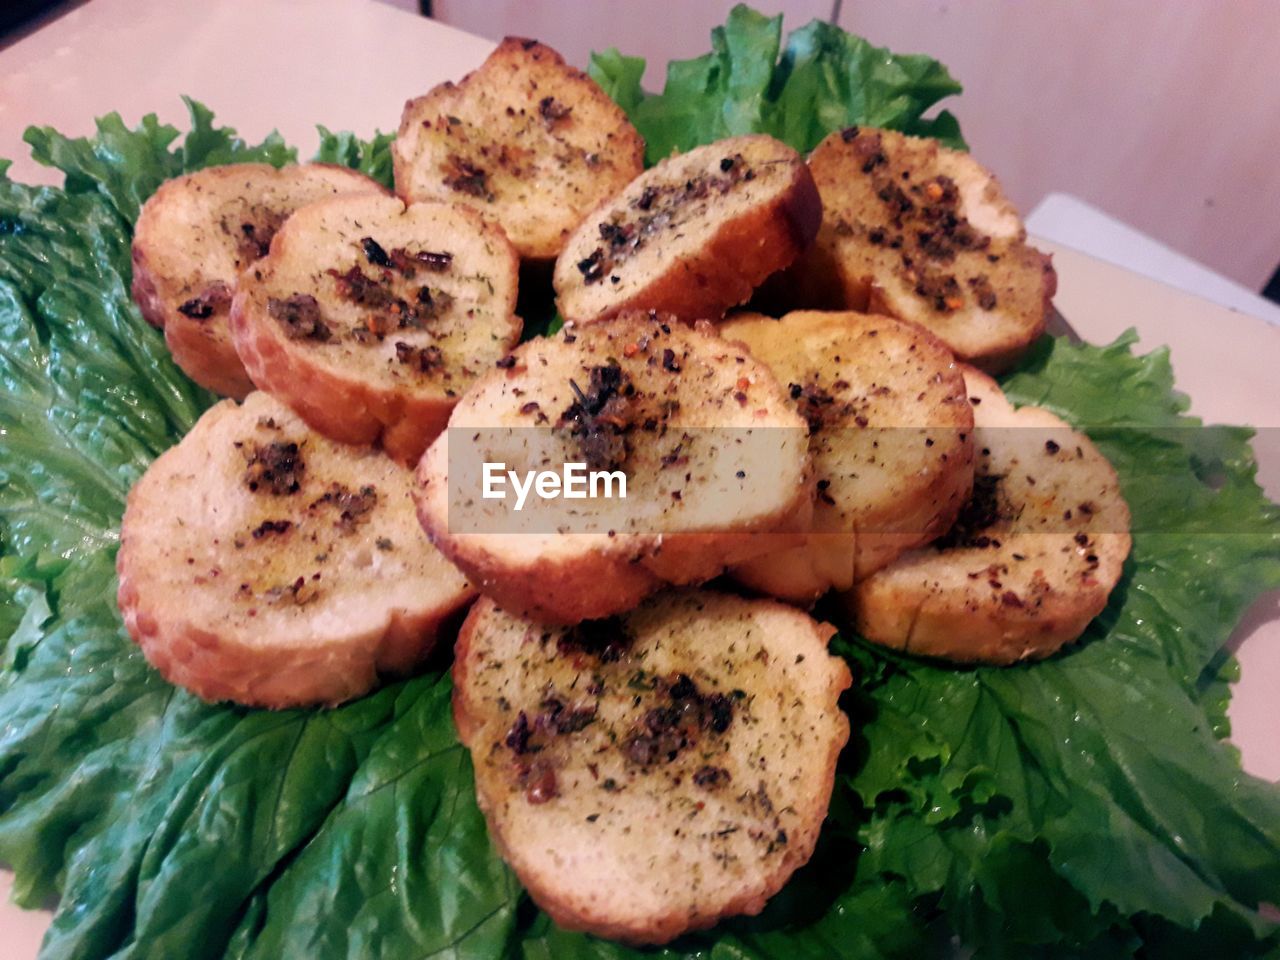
pixel 127 165
pixel 166 826
pixel 370 157
pixel 824 79
pixel 1081 807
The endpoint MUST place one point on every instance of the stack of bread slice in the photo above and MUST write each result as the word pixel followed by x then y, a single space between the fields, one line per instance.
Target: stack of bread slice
pixel 891 435
pixel 713 452
pixel 371 318
pixel 653 752
pixel 194 236
pixel 1030 561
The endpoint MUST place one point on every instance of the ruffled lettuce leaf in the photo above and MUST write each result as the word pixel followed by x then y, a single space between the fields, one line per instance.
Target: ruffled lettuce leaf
pixel 127 165
pixel 370 157
pixel 1081 807
pixel 824 79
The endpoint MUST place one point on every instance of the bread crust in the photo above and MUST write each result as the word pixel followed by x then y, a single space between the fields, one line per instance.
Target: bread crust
pixel 544 143
pixel 737 248
pixel 197 232
pixel 677 536
pixel 1029 569
pixel 589 881
pixel 891 440
pixel 245 594
pixel 336 385
pixel 920 232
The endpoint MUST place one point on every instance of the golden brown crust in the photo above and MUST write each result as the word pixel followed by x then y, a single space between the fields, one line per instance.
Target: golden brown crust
pixel 196 233
pixel 357 390
pixel 1031 563
pixel 251 598
pixel 541 143
pixel 734 244
pixel 916 231
pixel 575 851
pixel 690 512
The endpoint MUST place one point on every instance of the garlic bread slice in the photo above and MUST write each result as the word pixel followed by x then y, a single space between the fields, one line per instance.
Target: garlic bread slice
pixel 651 774
pixel 692 236
pixel 529 142
pixel 924 233
pixel 713 455
pixel 369 318
pixel 1032 559
pixel 890 434
pixel 194 236
pixel 262 563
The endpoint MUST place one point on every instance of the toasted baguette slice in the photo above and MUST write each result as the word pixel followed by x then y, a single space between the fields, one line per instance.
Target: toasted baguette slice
pixel 370 318
pixel 649 775
pixel 195 235
pixel 527 140
pixel 261 563
pixel 891 436
pixel 692 236
pixel 924 233
pixel 1032 559
pixel 713 454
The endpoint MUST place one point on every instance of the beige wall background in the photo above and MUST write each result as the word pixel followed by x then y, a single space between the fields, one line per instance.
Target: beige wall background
pixel 1163 113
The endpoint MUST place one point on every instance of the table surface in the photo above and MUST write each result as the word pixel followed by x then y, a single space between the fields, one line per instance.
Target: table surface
pixel 350 64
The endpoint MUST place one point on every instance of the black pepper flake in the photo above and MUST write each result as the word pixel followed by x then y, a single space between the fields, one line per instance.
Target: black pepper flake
pixel 982 511
pixel 422 359
pixel 299 315
pixel 1051 447
pixel 591 268
pixel 517 738
pixel 552 110
pixel 669 361
pixel 506 363
pixel 215 297
pixel 606 640
pixel 711 778
pixel 374 253
pixel 683 715
pixel 268 527
pixel 353 507
pixel 408 262
pixel 463 176
pixel 276 468
pixel 599 418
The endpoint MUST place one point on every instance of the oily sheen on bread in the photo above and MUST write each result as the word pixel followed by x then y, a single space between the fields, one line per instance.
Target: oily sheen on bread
pixel 262 563
pixel 194 236
pixel 529 142
pixel 713 454
pixel 370 318
pixel 924 233
pixel 1031 560
pixel 651 774
pixel 692 236
pixel 890 433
